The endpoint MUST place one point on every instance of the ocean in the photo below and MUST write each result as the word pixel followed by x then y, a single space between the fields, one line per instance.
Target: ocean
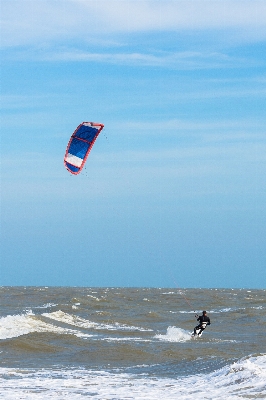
pixel 131 343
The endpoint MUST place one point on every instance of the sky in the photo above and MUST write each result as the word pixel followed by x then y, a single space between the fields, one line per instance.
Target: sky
pixel 174 190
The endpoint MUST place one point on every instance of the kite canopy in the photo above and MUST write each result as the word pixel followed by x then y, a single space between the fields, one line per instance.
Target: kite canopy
pixel 80 145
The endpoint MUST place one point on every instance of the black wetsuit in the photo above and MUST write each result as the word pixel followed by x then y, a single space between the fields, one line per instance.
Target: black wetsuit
pixel 204 321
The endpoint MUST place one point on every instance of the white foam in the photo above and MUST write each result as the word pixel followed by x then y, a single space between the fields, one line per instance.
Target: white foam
pixel 69 319
pixel 190 312
pixel 23 324
pixel 93 297
pixel 244 379
pixel 168 293
pixel 215 311
pixel 225 310
pixel 47 305
pixel 174 334
pixel 84 323
pixel 129 339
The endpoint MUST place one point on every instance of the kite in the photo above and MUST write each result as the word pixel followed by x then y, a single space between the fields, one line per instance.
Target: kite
pixel 80 145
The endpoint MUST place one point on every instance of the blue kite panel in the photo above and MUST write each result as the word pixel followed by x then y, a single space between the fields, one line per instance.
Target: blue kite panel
pixel 78 148
pixel 72 167
pixel 87 132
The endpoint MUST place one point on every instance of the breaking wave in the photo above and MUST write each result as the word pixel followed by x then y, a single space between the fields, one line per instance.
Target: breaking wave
pixel 245 378
pixel 174 334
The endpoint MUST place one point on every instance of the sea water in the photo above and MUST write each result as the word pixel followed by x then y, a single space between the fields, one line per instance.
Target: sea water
pixel 131 343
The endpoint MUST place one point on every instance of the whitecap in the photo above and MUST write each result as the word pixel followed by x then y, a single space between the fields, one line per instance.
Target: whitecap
pixel 77 321
pixel 47 305
pixel 13 326
pixel 243 379
pixel 169 293
pixel 93 297
pixel 175 334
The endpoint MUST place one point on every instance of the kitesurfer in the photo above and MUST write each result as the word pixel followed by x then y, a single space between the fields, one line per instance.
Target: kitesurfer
pixel 204 320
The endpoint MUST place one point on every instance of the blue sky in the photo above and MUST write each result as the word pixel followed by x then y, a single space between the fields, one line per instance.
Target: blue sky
pixel 174 190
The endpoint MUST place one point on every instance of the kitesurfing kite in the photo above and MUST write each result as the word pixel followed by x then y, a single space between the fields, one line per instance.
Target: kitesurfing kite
pixel 80 145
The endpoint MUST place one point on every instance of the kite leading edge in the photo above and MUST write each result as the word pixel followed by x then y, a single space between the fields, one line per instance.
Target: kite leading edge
pixel 80 145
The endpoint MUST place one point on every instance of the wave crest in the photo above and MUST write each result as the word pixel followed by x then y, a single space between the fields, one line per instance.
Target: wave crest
pixel 174 334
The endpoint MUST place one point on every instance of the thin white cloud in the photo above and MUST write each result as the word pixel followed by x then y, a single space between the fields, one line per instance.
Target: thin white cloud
pixel 196 126
pixel 131 15
pixel 29 21
pixel 186 60
pixel 181 60
pixel 32 101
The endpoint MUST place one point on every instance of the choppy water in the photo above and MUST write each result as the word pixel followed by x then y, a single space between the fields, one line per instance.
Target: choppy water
pixel 121 343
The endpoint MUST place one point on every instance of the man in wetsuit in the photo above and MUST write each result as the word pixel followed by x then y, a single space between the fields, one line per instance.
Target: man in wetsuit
pixel 203 322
